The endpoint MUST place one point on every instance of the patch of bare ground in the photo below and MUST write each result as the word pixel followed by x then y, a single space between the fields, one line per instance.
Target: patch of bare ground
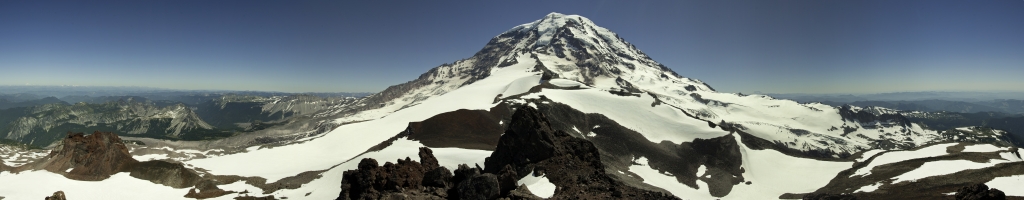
pixel 467 129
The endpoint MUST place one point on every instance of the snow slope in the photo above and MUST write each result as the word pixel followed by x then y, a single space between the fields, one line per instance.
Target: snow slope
pixel 347 141
pixel 118 186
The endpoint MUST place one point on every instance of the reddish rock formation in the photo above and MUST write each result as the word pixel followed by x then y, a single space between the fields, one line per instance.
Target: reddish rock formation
pixel 89 157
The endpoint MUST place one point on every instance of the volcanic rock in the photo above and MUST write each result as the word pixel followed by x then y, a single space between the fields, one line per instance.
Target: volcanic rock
pixel 89 157
pixel 529 146
pixel 829 196
pixel 979 192
pixel 59 195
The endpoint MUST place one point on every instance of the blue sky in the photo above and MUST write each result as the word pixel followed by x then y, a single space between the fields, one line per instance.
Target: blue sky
pixel 790 46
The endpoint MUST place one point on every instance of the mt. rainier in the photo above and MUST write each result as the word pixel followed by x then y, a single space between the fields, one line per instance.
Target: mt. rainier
pixel 655 131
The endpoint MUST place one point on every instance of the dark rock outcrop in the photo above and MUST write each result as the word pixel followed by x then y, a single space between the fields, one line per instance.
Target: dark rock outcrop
pixel 828 196
pixel 529 146
pixel 59 195
pixel 165 173
pixel 404 178
pixel 979 192
pixel 89 157
pixel 99 155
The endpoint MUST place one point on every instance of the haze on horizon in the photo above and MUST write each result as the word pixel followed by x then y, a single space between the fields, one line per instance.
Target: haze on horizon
pixel 734 46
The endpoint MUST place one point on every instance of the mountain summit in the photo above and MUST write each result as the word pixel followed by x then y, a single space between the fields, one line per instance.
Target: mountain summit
pixel 562 46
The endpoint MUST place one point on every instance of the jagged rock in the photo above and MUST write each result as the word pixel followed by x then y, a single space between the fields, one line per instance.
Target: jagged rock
pixel 507 179
pixel 427 158
pixel 528 146
pixel 370 181
pixel 527 140
pixel 480 186
pixel 464 172
pixel 521 193
pixel 438 177
pixel 59 195
pixel 90 157
pixel 979 192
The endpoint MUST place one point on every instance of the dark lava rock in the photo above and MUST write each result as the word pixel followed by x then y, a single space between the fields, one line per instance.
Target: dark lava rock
pixel 438 177
pixel 94 157
pixel 480 186
pixel 979 192
pixel 371 181
pixel 826 196
pixel 529 146
pixel 59 195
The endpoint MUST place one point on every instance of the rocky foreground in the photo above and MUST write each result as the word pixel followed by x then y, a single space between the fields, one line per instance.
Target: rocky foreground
pixel 529 147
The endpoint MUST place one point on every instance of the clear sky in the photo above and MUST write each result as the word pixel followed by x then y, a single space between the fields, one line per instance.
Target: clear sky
pixel 788 46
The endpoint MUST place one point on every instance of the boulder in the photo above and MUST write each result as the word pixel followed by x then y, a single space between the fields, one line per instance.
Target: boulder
pixel 59 195
pixel 979 192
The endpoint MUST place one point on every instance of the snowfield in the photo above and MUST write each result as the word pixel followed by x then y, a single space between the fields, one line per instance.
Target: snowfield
pixel 656 123
pixel 347 141
pixel 1010 185
pixel 118 186
pixel 943 167
pixel 897 156
pixel 772 173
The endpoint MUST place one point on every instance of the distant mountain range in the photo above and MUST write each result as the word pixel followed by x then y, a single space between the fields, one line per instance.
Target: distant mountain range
pixel 36 120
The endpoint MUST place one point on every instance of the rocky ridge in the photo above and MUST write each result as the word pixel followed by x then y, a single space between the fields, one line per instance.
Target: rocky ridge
pixel 528 147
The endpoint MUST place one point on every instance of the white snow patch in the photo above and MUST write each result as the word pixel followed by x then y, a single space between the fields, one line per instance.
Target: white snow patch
pixel 668 182
pixel 982 148
pixel 866 155
pixel 540 186
pixel 565 83
pixel 897 156
pixel 869 188
pixel 772 173
pixel 521 85
pixel 943 167
pixel 44 183
pixel 240 186
pixel 1010 156
pixel 149 157
pixel 656 123
pixel 1011 185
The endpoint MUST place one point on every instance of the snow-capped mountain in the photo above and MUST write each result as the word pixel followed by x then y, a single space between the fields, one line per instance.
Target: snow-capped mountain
pixel 563 78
